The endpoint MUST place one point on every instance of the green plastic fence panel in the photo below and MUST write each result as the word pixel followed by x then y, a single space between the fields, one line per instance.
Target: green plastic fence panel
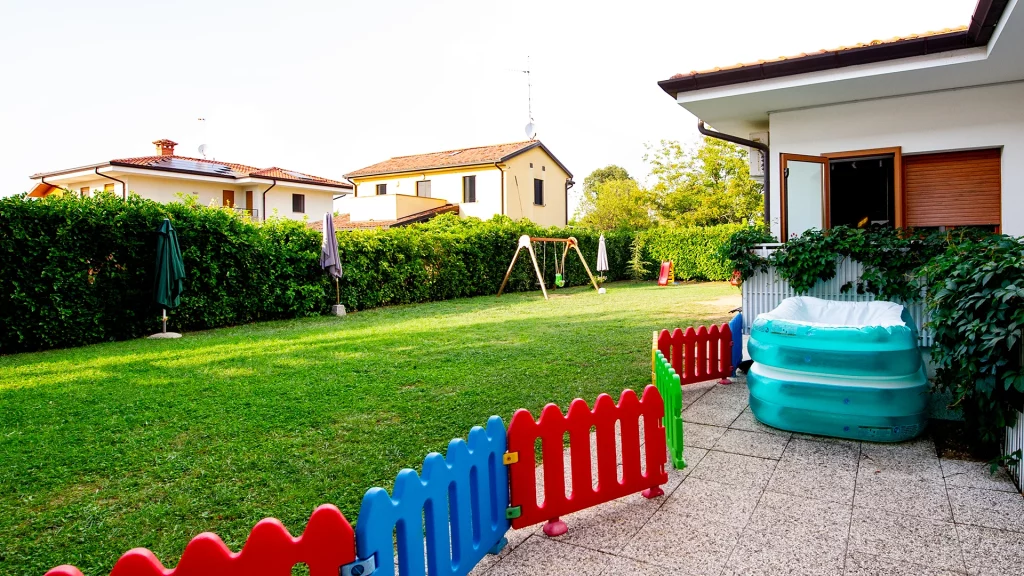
pixel 667 381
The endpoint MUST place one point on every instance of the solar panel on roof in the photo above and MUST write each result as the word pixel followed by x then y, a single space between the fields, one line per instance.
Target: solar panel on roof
pixel 194 166
pixel 298 175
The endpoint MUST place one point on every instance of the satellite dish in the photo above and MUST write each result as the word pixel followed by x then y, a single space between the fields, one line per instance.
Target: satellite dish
pixel 202 150
pixel 531 131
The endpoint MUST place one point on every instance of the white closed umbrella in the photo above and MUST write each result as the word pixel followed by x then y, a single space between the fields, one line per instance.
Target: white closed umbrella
pixel 602 255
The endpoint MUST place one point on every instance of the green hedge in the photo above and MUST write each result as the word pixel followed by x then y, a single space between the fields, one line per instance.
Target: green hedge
pixel 696 252
pixel 78 271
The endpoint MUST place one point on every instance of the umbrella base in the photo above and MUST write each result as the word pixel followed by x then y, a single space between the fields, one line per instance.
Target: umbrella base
pixel 165 335
pixel 338 310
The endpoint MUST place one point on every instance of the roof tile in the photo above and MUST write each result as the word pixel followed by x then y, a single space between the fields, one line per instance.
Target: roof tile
pixel 445 159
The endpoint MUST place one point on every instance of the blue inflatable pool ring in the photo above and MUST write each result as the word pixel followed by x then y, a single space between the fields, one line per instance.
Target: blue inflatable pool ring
pixel 844 369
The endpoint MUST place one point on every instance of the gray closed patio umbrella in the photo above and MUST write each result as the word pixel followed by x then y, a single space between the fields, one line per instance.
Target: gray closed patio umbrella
pixel 330 260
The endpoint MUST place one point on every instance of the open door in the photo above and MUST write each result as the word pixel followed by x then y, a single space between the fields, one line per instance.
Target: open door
pixel 804 194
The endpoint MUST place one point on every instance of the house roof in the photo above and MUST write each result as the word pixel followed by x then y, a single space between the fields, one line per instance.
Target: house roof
pixel 453 159
pixel 344 222
pixel 983 23
pixel 205 167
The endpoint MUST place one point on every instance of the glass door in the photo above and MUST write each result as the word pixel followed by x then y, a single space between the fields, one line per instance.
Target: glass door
pixel 804 194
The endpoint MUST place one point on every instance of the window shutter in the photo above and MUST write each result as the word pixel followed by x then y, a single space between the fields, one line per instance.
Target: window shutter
pixel 538 191
pixel 299 203
pixel 469 188
pixel 953 189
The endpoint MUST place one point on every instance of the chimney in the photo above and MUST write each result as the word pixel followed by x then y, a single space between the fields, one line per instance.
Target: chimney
pixel 165 147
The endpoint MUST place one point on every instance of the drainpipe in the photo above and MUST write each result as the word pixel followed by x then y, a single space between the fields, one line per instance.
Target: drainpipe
pixel 265 198
pixel 502 172
pixel 568 184
pixel 750 144
pixel 124 187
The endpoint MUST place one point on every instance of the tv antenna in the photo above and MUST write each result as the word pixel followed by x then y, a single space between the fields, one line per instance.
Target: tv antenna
pixel 531 127
pixel 203 147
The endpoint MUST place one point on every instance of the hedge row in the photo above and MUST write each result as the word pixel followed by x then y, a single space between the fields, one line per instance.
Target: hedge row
pixel 79 271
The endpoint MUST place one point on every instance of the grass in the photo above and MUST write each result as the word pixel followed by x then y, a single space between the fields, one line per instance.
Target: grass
pixel 149 442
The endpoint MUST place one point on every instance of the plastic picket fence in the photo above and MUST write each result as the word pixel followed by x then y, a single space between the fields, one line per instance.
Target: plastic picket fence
pixel 325 546
pixel 523 432
pixel 462 498
pixel 671 391
pixel 699 355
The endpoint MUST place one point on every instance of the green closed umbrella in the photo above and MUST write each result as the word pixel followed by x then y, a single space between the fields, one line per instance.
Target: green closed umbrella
pixel 169 276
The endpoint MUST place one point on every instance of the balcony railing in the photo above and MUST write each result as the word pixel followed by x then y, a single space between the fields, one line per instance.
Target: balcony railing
pixel 253 213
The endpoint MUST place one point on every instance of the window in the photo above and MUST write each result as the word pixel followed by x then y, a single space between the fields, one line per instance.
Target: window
pixel 84 191
pixel 108 187
pixel 469 188
pixel 299 203
pixel 538 191
pixel 382 189
pixel 228 198
pixel 423 188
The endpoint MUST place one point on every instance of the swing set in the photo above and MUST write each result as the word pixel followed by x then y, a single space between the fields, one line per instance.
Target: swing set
pixel 527 243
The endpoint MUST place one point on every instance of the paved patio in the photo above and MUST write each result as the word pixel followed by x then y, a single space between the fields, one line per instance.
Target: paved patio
pixel 755 500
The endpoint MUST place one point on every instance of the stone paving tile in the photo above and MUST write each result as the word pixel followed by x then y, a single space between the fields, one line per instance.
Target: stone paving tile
pixel 693 392
pixel 749 443
pixel 991 552
pixel 735 469
pixel 684 542
pixel 800 518
pixel 607 527
pixel 817 470
pixel 621 566
pixel 692 456
pixel 766 554
pixel 860 564
pixel 826 439
pixel 975 475
pixel 543 555
pixel 901 492
pixel 930 543
pixel 712 412
pixel 701 435
pixel 988 508
pixel 914 457
pixel 713 502
pixel 515 538
pixel 747 421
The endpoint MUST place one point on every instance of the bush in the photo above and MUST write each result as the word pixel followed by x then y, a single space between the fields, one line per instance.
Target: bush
pixel 78 271
pixel 697 253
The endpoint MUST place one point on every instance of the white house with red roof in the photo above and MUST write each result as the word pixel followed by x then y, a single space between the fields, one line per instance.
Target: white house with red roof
pixel 922 131
pixel 165 177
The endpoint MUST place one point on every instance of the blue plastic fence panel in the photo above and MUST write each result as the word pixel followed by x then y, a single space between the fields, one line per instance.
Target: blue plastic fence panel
pixel 736 327
pixel 462 499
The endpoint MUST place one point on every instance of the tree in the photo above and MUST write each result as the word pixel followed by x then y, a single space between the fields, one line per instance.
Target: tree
pixel 704 186
pixel 601 175
pixel 611 204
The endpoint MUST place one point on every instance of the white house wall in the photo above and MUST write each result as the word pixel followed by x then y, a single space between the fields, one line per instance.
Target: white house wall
pixel 445 186
pixel 963 119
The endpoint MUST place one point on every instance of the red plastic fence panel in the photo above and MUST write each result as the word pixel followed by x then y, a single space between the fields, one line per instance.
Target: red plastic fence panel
pixel 523 432
pixel 698 355
pixel 327 543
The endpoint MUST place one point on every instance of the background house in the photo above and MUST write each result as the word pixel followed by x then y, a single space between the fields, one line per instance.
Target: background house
pixel 520 180
pixel 922 131
pixel 257 191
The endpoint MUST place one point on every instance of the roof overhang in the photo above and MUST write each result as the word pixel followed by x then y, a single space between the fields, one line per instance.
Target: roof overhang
pixel 73 175
pixel 740 100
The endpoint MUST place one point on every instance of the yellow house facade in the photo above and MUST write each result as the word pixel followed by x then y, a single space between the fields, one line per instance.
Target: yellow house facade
pixel 519 180
pixel 166 177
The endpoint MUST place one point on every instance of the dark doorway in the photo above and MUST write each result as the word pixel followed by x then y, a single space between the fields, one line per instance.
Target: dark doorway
pixel 861 192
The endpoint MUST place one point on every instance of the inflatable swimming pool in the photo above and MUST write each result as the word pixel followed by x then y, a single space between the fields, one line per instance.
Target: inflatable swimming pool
pixel 845 369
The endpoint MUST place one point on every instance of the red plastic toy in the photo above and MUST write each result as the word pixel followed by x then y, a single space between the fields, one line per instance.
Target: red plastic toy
pixel 523 432
pixel 665 273
pixel 327 543
pixel 699 355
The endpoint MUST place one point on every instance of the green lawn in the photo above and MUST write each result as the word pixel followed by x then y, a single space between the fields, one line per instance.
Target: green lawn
pixel 149 442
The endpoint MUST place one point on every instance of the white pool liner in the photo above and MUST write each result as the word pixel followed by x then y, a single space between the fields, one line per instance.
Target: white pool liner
pixel 810 311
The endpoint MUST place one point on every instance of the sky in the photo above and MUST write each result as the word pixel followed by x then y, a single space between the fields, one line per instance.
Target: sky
pixel 328 87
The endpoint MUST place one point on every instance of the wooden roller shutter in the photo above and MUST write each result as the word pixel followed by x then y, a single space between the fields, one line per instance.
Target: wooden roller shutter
pixel 952 189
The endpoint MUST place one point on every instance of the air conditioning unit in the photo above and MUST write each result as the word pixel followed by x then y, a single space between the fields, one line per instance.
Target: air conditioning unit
pixel 756 156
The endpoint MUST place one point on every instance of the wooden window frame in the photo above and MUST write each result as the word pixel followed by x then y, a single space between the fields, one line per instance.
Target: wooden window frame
pixel 302 203
pixel 224 195
pixel 418 182
pixel 468 188
pixel 899 199
pixel 381 189
pixel 784 159
pixel 541 181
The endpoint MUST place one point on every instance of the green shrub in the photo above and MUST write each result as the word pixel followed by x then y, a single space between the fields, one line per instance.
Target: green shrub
pixel 696 252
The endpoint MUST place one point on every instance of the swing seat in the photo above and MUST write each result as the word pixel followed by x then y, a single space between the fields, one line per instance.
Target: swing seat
pixel 559 281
